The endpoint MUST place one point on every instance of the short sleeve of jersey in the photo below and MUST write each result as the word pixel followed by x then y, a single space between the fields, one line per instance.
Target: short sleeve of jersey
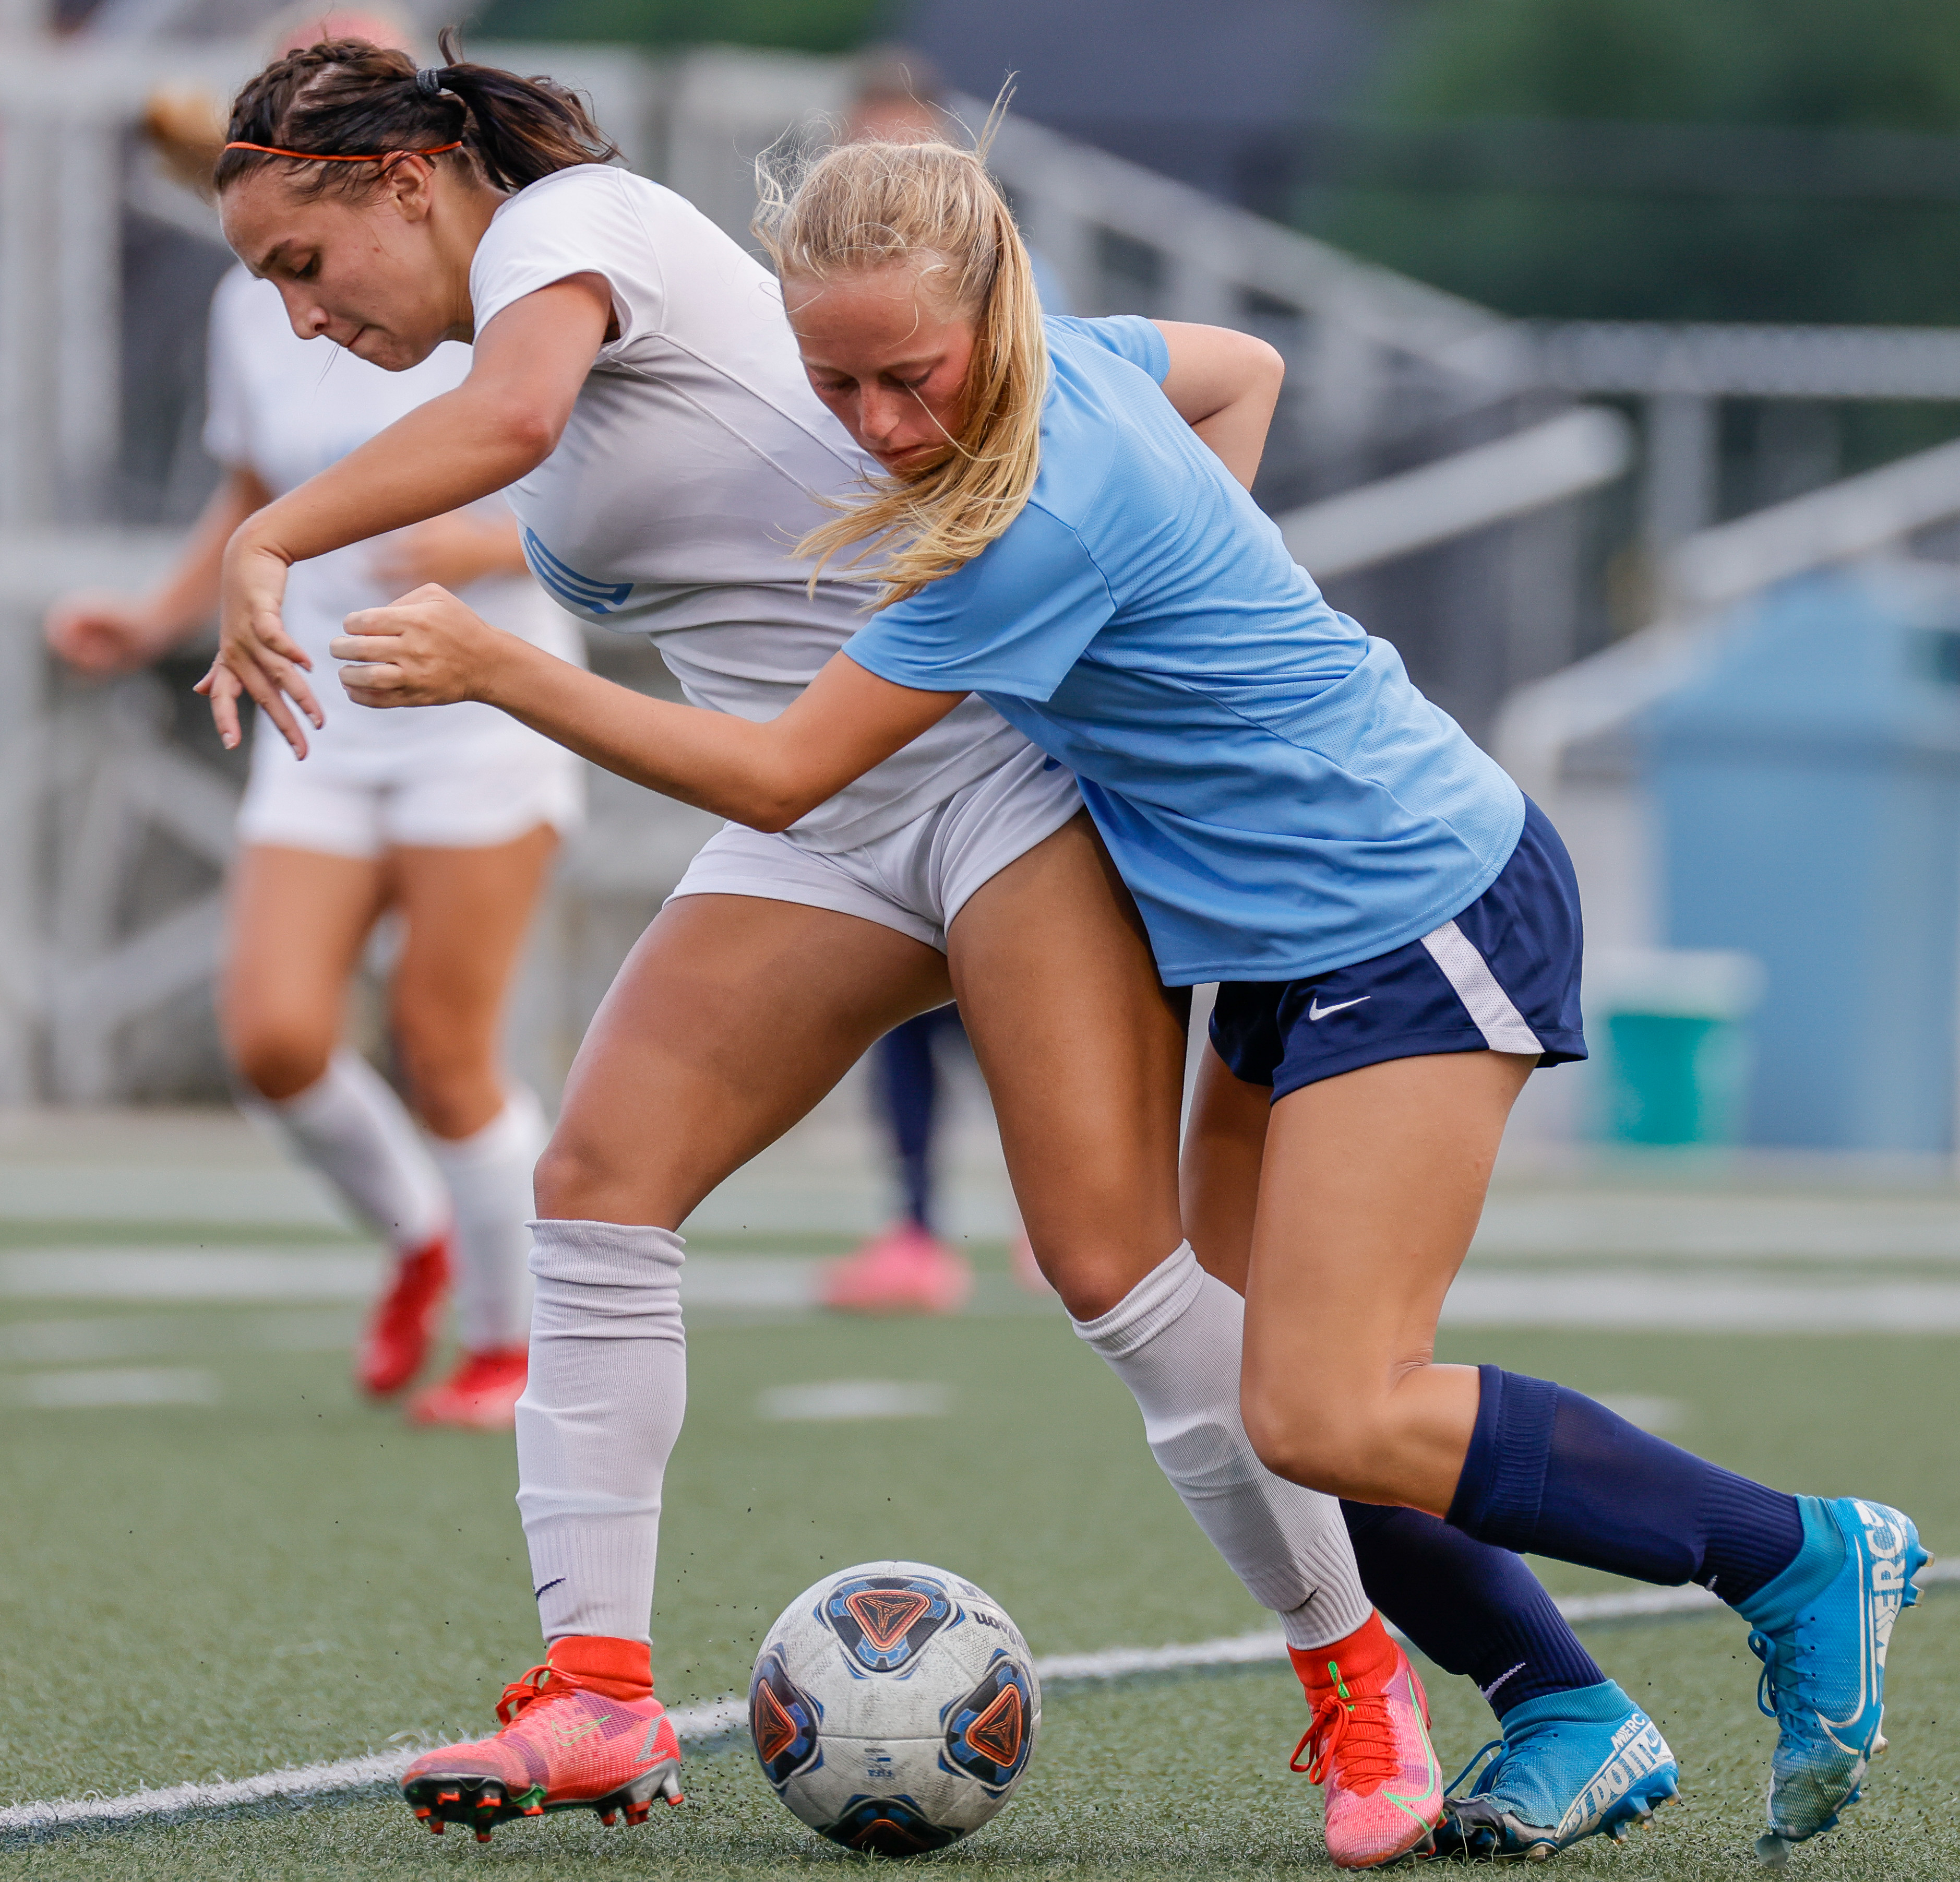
pixel 1013 621
pixel 227 423
pixel 578 221
pixel 1128 336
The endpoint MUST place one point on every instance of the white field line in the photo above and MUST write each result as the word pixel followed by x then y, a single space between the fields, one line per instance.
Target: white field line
pixel 220 1278
pixel 837 1400
pixel 296 1783
pixel 1577 1287
pixel 1656 1299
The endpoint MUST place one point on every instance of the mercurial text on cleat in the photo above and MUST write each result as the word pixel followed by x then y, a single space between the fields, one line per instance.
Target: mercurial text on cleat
pixel 1570 1765
pixel 1822 1628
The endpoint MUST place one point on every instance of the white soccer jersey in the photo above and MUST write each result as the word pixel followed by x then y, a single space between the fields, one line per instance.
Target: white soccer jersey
pixel 283 409
pixel 696 458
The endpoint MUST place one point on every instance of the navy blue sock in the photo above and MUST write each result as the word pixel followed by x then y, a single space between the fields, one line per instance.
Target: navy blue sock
pixel 908 1084
pixel 1475 1610
pixel 1551 1472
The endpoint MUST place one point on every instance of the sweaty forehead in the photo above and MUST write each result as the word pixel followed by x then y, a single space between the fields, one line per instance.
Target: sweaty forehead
pixel 266 223
pixel 888 301
pixel 256 216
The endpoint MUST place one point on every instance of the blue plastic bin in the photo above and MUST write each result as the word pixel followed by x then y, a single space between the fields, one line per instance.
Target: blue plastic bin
pixel 1808 786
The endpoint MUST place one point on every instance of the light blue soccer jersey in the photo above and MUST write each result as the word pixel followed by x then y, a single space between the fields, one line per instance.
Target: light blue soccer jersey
pixel 1277 794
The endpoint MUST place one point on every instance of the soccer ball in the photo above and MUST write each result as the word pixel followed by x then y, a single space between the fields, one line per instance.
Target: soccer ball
pixel 894 1707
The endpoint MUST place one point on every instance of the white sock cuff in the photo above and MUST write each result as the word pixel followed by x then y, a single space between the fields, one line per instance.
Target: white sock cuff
pixel 350 1128
pixel 1333 1612
pixel 1159 1300
pixel 517 1130
pixel 346 1068
pixel 603 1254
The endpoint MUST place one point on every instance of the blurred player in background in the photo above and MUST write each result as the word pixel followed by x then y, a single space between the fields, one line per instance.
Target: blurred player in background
pixel 447 820
pixel 908 1267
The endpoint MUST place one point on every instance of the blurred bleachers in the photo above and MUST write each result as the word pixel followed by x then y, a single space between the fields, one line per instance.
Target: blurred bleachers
pixel 1502 499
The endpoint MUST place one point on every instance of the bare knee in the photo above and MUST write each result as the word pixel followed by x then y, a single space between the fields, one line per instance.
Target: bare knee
pixel 451 1074
pixel 278 1056
pixel 1092 1276
pixel 1087 1293
pixel 563 1178
pixel 1313 1439
pixel 586 1177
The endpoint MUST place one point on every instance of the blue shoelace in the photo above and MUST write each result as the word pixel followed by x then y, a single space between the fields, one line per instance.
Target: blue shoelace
pixel 1488 1780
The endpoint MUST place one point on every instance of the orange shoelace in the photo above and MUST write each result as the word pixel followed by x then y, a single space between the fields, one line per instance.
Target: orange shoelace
pixel 1356 1732
pixel 540 1683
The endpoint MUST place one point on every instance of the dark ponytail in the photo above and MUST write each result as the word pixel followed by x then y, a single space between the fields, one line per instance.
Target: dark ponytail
pixel 346 98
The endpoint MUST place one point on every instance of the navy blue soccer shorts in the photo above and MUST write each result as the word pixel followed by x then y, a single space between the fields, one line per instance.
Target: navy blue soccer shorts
pixel 1503 976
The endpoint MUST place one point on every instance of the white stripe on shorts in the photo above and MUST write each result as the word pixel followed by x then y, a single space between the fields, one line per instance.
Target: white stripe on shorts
pixel 1469 973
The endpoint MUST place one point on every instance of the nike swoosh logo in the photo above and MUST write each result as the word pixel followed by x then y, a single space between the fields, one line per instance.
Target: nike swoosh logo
pixel 1317 1011
pixel 1419 1803
pixel 566 1737
pixel 539 1593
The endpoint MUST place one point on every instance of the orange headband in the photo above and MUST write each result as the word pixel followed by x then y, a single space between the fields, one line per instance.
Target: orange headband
pixel 320 156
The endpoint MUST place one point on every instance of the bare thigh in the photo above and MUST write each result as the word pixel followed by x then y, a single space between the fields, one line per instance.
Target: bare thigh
pixel 1370 1190
pixel 731 1017
pixel 1220 1166
pixel 465 913
pixel 1084 1054
pixel 295 923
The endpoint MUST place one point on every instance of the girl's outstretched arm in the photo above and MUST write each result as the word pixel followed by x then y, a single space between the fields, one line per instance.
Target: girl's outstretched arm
pixel 98 632
pixel 429 649
pixel 501 422
pixel 1224 385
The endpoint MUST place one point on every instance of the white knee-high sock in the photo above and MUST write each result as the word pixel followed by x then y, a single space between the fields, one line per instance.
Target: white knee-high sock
pixel 607 1390
pixel 348 1126
pixel 1174 1340
pixel 488 1173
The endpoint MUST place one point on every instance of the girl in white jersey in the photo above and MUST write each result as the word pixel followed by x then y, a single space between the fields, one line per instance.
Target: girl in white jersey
pixel 634 387
pixel 449 818
pixel 1395 929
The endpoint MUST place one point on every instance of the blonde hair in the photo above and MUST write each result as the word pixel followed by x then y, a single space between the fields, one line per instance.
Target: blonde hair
pixel 933 206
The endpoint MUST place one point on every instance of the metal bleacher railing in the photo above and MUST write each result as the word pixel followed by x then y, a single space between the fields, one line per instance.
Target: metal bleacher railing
pixel 1425 442
pixel 113 830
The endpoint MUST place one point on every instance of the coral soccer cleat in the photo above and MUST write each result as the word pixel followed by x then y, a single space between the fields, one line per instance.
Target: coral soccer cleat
pixel 906 1270
pixel 568 1742
pixel 1368 1744
pixel 1821 1629
pixel 1570 1765
pixel 399 1332
pixel 481 1394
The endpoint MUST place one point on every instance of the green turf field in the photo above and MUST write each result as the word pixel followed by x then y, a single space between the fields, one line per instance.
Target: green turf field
pixel 285 1575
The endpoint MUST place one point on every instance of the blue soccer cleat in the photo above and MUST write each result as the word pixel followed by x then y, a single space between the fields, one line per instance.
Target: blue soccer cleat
pixel 1821 1630
pixel 1570 1765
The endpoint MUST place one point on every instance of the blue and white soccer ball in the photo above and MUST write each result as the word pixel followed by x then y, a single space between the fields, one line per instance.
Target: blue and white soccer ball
pixel 894 1707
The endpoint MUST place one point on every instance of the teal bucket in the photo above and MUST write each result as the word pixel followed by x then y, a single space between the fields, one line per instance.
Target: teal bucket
pixel 1670 1027
pixel 1676 1078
